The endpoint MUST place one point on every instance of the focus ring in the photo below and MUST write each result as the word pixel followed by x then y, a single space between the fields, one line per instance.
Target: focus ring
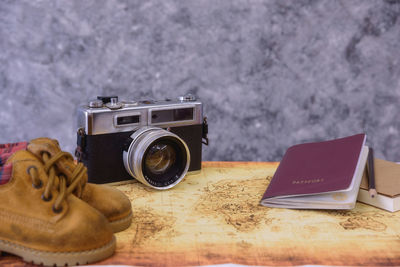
pixel 143 140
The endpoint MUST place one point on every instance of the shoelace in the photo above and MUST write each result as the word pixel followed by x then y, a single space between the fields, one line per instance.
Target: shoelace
pixel 66 186
pixel 74 183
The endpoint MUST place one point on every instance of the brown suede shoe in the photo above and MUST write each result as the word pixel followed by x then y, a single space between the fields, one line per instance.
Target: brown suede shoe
pixel 43 223
pixel 115 206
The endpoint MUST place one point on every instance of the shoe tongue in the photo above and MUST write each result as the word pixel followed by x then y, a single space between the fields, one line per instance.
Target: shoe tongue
pixel 39 145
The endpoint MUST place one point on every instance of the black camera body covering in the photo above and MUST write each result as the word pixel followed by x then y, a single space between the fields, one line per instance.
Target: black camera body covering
pixel 156 142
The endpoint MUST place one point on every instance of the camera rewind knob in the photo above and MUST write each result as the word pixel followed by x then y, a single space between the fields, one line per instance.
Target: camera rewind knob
pixel 95 103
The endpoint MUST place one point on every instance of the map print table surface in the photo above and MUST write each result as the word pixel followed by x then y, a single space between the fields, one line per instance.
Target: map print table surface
pixel 215 217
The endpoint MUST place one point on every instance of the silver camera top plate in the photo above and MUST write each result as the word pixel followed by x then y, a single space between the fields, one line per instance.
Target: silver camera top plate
pixel 133 115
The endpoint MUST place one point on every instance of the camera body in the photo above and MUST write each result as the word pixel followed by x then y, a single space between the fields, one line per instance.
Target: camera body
pixel 156 142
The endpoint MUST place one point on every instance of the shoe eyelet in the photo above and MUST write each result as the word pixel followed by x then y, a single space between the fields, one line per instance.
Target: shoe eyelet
pixel 47 199
pixel 57 210
pixel 38 186
pixel 29 169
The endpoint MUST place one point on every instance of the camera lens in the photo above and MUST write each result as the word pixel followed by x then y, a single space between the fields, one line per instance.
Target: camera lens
pixel 157 158
pixel 160 158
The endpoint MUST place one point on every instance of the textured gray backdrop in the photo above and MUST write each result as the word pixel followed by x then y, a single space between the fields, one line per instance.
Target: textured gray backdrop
pixel 271 73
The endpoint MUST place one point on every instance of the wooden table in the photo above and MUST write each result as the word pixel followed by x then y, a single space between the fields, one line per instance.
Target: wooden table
pixel 215 217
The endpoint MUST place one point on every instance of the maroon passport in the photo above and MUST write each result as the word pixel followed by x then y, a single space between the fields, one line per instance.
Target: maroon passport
pixel 316 168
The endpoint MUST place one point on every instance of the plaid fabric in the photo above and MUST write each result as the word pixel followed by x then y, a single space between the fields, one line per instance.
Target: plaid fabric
pixel 5 173
pixel 6 150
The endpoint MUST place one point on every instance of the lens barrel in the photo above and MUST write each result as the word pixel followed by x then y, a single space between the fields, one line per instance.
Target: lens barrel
pixel 157 158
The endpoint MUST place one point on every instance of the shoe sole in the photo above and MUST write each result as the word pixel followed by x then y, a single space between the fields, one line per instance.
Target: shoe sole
pixel 46 258
pixel 121 224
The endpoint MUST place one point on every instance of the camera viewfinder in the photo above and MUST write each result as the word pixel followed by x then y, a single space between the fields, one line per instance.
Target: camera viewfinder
pixel 170 115
pixel 128 120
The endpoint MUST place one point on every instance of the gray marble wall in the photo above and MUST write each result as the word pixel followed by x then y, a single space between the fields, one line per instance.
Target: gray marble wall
pixel 270 73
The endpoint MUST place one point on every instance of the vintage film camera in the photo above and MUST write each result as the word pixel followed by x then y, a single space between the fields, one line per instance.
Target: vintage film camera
pixel 156 142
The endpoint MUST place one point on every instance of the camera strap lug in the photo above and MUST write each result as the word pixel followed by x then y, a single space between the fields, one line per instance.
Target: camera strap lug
pixel 81 143
pixel 205 131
